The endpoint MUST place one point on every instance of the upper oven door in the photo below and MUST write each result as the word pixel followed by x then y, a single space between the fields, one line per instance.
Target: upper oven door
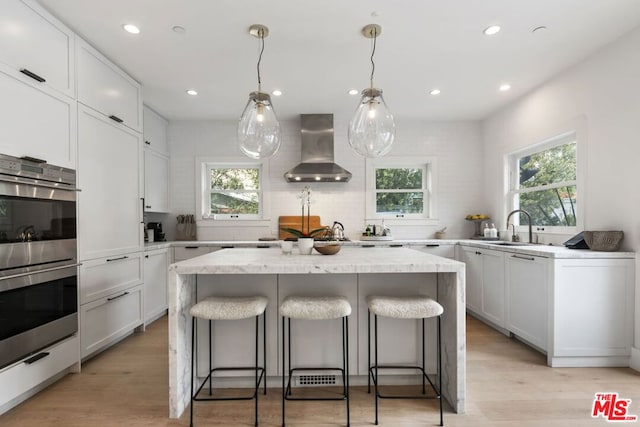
pixel 37 225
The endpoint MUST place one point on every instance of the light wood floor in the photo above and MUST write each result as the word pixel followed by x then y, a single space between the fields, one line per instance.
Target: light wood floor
pixel 508 384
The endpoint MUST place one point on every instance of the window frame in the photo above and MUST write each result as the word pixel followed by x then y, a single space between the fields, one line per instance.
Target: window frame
pixel 203 190
pixel 428 164
pixel 513 182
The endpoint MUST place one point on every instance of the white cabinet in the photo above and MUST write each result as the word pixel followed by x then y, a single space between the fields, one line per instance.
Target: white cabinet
pixel 22 376
pixel 37 122
pixel 35 47
pixel 156 265
pixel 593 312
pixel 155 131
pixel 107 89
pixel 108 319
pixel 527 293
pixel 110 203
pixel 485 283
pixel 102 277
pixel 156 181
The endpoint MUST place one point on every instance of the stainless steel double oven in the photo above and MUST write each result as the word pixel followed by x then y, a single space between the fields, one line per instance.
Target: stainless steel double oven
pixel 38 257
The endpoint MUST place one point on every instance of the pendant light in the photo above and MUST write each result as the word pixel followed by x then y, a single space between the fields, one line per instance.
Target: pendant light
pixel 258 128
pixel 372 128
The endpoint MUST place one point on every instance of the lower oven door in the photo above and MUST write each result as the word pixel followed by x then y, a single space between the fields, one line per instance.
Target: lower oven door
pixel 37 310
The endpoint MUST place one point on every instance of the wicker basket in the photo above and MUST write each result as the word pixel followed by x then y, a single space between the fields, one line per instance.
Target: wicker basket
pixel 606 241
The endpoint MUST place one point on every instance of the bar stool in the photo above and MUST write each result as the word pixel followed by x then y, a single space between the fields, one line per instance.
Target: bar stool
pixel 230 308
pixel 412 307
pixel 314 308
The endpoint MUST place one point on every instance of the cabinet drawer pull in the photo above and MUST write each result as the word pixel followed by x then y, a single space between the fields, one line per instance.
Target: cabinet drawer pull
pixel 35 358
pixel 227 247
pixel 396 246
pixel 116 119
pixel 432 246
pixel 191 247
pixel 478 253
pixel 33 75
pixel 118 296
pixel 148 142
pixel 528 258
pixel 148 206
pixel 368 246
pixel 117 259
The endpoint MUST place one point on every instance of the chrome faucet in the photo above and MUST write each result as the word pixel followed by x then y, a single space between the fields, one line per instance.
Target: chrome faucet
pixel 514 228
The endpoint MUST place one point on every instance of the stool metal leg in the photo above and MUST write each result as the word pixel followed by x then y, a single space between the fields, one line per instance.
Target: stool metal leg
pixel 440 371
pixel 423 350
pixel 346 365
pixel 368 351
pixel 193 358
pixel 264 349
pixel 257 387
pixel 284 390
pixel 375 378
pixel 210 359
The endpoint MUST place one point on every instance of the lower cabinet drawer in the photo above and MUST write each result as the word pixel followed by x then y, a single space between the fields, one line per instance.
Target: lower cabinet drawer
pixel 106 320
pixel 22 377
pixel 106 276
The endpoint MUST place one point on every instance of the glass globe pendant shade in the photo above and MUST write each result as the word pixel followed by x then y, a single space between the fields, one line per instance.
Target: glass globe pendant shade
pixel 258 128
pixel 372 129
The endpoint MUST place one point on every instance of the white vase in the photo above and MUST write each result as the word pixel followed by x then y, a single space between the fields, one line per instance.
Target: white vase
pixel 305 245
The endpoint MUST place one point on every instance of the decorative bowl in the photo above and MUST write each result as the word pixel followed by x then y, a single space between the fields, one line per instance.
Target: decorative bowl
pixel 325 249
pixel 605 241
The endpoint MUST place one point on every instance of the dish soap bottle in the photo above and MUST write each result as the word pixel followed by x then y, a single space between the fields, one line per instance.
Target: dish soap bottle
pixel 486 232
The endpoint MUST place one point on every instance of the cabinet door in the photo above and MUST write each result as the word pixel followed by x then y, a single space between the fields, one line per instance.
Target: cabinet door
pixel 105 88
pixel 106 320
pixel 472 257
pixel 156 182
pixel 493 286
pixel 527 291
pixel 155 131
pixel 155 283
pixel 110 203
pixel 37 122
pixel 35 46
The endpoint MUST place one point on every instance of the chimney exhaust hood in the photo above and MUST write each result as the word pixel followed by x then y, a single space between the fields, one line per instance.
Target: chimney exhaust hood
pixel 317 152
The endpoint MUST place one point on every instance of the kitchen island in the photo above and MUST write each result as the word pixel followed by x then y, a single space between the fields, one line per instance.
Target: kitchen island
pixel 353 272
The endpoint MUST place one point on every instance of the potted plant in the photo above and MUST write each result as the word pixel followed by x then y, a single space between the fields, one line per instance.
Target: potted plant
pixel 305 238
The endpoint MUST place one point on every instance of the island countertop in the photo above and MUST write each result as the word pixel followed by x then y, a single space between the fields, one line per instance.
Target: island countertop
pixel 348 260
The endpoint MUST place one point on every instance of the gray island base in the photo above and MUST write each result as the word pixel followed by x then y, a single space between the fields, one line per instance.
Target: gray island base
pixel 354 273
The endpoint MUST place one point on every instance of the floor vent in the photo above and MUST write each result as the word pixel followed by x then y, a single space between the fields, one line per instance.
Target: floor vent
pixel 317 380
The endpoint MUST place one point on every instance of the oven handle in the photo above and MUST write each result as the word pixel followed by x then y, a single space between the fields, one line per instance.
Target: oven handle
pixel 30 273
pixel 19 180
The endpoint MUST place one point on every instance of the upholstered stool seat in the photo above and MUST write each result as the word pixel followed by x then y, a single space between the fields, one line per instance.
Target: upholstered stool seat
pixel 419 307
pixel 230 308
pixel 314 308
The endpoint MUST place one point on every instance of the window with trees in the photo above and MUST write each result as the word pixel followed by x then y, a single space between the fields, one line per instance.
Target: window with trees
pixel 232 191
pixel 544 182
pixel 399 188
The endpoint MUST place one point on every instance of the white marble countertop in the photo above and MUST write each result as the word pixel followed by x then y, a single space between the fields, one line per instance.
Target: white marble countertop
pixel 348 260
pixel 529 249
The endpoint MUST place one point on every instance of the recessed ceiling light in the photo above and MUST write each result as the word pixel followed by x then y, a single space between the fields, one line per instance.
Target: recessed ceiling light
pixel 192 92
pixel 130 28
pixel 493 29
pixel 353 92
pixel 505 87
pixel 435 92
pixel 276 93
pixel 178 29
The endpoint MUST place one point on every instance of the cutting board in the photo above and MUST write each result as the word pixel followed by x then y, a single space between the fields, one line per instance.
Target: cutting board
pixel 295 221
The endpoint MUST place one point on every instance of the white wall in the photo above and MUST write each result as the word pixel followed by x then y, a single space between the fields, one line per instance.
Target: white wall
pixel 604 93
pixel 456 145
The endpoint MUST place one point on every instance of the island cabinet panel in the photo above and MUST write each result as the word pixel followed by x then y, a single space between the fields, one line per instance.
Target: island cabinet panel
pixel 234 340
pixel 318 342
pixel 593 310
pixel 398 339
pixel 155 284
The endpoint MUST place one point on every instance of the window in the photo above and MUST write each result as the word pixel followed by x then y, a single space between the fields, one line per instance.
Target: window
pixel 232 191
pixel 399 188
pixel 544 182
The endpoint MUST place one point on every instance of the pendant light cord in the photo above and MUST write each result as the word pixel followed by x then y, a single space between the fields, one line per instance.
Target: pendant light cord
pixel 373 52
pixel 260 59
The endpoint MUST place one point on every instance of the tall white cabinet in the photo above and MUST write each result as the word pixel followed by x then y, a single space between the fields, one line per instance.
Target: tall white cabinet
pixel 156 162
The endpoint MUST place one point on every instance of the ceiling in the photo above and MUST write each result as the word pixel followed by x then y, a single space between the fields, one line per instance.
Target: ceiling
pixel 315 52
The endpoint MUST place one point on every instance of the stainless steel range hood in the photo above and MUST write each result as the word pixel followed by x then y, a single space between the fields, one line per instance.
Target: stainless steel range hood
pixel 317 152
